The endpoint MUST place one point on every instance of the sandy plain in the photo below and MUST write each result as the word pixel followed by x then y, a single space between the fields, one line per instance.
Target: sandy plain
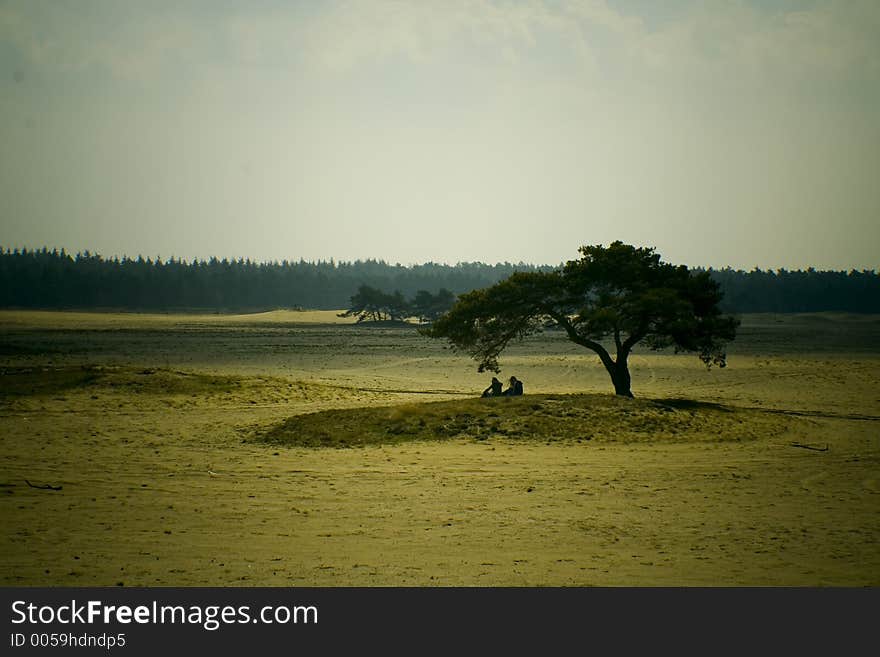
pixel 150 426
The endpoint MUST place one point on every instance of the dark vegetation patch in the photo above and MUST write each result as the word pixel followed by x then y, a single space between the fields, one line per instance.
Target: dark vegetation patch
pixel 541 418
pixel 45 381
pixel 8 348
pixel 691 404
pixel 381 323
pixel 27 381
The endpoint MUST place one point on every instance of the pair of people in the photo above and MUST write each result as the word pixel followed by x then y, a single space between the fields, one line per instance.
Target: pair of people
pixel 494 389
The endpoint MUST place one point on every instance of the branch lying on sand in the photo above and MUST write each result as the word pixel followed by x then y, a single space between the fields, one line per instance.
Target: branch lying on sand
pixel 44 486
pixel 815 449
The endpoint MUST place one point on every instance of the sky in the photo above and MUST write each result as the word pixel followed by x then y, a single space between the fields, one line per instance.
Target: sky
pixel 743 133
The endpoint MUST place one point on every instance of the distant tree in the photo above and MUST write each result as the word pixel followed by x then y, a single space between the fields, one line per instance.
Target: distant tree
pixel 429 307
pixel 396 306
pixel 443 302
pixel 620 293
pixel 375 305
pixel 421 305
pixel 367 304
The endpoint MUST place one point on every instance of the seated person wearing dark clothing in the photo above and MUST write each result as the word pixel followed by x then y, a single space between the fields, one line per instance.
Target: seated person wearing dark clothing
pixel 516 388
pixel 494 389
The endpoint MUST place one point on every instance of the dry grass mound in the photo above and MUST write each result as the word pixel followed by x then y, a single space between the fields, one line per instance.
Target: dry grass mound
pixel 37 381
pixel 546 418
pixel 122 389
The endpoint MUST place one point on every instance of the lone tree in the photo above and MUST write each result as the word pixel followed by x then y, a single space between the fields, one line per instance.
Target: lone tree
pixel 621 293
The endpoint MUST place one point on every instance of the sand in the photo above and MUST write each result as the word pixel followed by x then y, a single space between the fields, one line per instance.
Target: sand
pixel 164 483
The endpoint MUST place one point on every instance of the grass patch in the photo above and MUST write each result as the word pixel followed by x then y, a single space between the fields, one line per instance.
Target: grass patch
pixel 565 418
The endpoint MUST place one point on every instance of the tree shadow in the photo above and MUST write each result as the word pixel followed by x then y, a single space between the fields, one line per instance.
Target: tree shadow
pixel 681 404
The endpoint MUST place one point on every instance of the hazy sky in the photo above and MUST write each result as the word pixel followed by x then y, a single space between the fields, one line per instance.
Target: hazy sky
pixel 741 133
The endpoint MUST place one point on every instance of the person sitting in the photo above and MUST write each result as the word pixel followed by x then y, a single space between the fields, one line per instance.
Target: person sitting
pixel 515 389
pixel 494 389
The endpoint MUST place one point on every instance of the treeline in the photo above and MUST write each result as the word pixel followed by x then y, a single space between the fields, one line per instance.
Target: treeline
pixel 798 291
pixel 56 279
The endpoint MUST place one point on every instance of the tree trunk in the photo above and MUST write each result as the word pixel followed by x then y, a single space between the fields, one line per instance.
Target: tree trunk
pixel 617 370
pixel 620 377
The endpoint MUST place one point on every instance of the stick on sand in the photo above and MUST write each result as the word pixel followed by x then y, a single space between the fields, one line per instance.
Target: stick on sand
pixel 44 486
pixel 815 449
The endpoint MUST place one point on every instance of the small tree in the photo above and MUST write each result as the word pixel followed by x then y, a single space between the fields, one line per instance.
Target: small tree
pixel 428 307
pixel 421 305
pixel 396 306
pixel 443 302
pixel 620 293
pixel 372 304
pixel 368 303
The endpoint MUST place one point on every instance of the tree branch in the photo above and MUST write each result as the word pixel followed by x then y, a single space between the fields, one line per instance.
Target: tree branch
pixel 631 341
pixel 575 337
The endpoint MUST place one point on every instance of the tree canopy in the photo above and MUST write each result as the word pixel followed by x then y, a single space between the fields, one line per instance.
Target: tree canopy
pixel 619 295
